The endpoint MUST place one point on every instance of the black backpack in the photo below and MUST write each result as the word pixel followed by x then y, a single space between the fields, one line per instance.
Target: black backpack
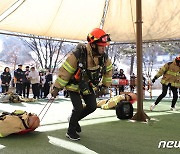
pixel 124 110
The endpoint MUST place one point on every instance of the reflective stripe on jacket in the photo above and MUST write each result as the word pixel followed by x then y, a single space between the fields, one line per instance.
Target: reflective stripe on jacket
pixel 69 67
pixel 170 73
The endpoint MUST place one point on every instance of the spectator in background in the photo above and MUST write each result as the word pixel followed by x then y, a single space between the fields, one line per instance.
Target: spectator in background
pixel 121 76
pixel 26 83
pixel 18 77
pixel 132 82
pixel 34 78
pixel 115 74
pixel 144 82
pixel 48 83
pixel 41 84
pixel 5 79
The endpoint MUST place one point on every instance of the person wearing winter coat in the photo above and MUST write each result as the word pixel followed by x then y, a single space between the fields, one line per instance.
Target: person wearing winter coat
pixel 48 82
pixel 170 73
pixel 5 79
pixel 26 83
pixel 81 73
pixel 18 77
pixel 34 78
pixel 42 81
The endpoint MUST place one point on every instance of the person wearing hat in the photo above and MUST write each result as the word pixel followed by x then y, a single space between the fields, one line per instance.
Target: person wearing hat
pixel 81 74
pixel 26 82
pixel 18 77
pixel 170 73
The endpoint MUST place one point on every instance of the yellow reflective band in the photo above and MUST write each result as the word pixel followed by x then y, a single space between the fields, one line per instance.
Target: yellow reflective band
pixel 95 88
pixel 173 73
pixel 68 67
pixel 18 112
pixel 72 87
pixel 86 92
pixel 105 79
pixel 62 82
pixel 105 106
pixel 108 68
pixel 175 84
pixel 1 135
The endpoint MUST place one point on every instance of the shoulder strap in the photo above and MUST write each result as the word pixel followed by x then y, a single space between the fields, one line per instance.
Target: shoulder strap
pixel 20 113
pixel 81 55
pixel 102 61
pixel 3 114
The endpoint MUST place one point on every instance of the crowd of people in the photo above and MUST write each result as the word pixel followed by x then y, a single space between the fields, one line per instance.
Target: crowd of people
pixel 24 80
pixel 123 81
pixel 119 75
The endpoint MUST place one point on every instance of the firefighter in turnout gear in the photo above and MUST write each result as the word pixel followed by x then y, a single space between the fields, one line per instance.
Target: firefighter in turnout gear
pixel 171 78
pixel 112 102
pixel 81 73
pixel 17 121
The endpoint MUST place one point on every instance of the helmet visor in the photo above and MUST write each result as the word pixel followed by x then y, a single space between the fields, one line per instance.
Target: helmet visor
pixel 104 39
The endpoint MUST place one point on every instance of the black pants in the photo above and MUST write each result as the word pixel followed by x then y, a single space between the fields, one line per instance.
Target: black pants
pixel 121 89
pixel 5 88
pixel 41 91
pixel 35 90
pixel 26 88
pixel 19 88
pixel 78 111
pixel 164 92
pixel 46 89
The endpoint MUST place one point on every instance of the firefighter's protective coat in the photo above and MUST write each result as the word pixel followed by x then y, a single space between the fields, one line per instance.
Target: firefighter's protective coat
pixel 170 73
pixel 111 103
pixel 69 67
pixel 10 124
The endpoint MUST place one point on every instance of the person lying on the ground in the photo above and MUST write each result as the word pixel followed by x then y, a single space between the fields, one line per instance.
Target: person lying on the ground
pixel 112 102
pixel 17 122
pixel 10 97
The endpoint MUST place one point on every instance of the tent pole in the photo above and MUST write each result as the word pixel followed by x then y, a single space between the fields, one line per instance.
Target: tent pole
pixel 140 115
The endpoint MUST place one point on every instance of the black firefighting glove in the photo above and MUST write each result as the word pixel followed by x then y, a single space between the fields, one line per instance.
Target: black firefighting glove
pixel 154 79
pixel 55 92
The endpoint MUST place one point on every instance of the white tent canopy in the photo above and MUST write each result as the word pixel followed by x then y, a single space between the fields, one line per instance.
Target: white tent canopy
pixel 74 19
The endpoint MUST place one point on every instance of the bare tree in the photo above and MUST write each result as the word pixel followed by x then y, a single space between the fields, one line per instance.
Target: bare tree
pixel 49 52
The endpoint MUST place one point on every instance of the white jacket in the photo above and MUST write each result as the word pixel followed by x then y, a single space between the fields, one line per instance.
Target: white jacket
pixel 34 77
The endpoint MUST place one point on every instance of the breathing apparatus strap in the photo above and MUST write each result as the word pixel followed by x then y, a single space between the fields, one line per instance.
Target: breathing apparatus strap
pixel 81 55
pixel 17 113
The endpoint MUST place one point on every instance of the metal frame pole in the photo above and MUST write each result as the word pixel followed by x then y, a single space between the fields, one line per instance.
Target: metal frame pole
pixel 140 115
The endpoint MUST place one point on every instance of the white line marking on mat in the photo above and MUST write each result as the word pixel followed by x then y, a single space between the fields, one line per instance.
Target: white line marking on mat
pixel 75 147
